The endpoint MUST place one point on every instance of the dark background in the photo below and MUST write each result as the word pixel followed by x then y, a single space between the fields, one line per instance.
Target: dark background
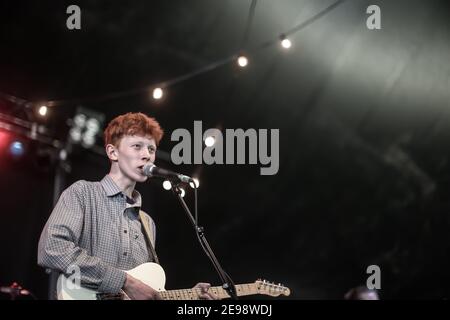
pixel 364 133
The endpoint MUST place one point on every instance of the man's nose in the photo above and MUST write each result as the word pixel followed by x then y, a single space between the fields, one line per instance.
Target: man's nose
pixel 146 154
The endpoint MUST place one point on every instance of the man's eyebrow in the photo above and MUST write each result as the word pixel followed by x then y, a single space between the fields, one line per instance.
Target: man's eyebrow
pixel 143 142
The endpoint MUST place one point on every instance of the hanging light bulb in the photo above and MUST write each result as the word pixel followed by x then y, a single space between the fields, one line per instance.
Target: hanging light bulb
pixel 242 61
pixel 157 93
pixel 43 110
pixel 285 42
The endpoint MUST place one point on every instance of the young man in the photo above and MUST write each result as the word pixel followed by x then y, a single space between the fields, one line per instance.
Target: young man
pixel 95 226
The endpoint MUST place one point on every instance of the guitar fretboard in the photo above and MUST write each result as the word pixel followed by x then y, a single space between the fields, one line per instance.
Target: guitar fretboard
pixel 194 293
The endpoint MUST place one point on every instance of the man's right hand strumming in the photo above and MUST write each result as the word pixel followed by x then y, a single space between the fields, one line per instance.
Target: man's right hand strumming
pixel 137 290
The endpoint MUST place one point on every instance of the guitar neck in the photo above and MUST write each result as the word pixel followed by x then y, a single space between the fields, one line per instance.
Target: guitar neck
pixel 194 293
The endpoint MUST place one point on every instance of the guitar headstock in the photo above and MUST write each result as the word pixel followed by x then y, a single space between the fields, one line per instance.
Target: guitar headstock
pixel 271 289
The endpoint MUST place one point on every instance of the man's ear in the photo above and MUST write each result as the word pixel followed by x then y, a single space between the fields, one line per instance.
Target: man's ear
pixel 111 152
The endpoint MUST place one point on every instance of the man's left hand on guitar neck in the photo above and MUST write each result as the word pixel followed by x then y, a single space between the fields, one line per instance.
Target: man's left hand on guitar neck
pixel 205 294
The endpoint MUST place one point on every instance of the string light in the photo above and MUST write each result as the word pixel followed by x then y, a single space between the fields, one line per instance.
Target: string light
pixel 157 93
pixel 242 61
pixel 43 110
pixel 285 42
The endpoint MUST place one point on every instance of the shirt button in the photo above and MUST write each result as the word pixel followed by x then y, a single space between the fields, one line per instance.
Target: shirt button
pixel 125 253
pixel 125 231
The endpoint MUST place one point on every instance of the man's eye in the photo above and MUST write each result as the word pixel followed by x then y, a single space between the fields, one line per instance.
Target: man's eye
pixel 137 146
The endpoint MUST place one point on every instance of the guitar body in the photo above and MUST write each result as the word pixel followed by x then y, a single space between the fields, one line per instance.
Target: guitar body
pixel 152 274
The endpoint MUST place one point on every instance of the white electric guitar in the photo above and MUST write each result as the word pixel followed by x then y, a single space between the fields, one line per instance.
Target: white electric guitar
pixel 153 275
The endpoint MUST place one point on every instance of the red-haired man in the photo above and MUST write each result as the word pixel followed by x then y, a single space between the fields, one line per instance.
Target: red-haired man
pixel 96 226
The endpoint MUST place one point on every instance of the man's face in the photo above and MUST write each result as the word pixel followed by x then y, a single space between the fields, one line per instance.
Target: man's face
pixel 133 153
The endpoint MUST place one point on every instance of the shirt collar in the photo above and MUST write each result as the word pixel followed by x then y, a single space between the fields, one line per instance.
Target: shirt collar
pixel 112 189
pixel 136 196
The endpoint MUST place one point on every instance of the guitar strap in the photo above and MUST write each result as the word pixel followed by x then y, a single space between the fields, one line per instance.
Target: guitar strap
pixel 147 227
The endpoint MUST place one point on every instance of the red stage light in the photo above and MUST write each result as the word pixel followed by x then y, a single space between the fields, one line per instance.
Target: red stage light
pixel 5 139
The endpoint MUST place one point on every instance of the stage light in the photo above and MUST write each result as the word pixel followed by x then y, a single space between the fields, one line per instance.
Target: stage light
pixel 4 140
pixel 157 93
pixel 17 149
pixel 43 110
pixel 75 134
pixel 79 122
pixel 63 155
pixel 209 141
pixel 92 128
pixel 93 125
pixel 88 141
pixel 242 61
pixel 197 183
pixel 167 185
pixel 86 127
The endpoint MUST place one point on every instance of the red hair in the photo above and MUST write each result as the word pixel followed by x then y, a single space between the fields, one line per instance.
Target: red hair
pixel 132 124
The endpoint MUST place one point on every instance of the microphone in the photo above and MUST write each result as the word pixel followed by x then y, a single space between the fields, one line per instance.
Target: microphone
pixel 150 170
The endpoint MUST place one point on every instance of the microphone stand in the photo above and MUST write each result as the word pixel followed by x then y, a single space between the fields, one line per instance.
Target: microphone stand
pixel 228 284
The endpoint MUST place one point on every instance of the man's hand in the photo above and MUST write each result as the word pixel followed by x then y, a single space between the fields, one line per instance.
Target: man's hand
pixel 137 290
pixel 204 294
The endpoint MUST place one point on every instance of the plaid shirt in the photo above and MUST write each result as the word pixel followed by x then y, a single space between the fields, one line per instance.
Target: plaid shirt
pixel 93 227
